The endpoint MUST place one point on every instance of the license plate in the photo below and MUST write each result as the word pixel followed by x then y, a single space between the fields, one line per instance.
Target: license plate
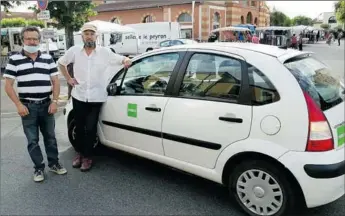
pixel 341 135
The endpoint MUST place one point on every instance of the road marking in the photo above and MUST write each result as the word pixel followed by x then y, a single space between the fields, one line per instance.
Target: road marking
pixel 61 150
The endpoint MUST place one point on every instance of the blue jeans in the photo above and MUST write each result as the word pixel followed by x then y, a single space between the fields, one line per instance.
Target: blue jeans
pixel 40 119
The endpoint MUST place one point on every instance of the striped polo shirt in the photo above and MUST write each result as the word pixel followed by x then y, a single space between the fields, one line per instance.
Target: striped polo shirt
pixel 33 77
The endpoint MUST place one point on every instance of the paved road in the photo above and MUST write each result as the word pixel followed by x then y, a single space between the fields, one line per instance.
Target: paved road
pixel 120 184
pixel 332 55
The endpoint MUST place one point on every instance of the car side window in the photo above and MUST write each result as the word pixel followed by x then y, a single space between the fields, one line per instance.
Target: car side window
pixel 149 75
pixel 212 76
pixel 263 91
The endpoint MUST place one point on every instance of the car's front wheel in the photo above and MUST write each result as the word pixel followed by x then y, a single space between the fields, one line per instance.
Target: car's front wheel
pixel 72 133
pixel 260 188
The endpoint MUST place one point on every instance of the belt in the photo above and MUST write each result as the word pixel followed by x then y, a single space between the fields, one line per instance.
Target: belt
pixel 35 101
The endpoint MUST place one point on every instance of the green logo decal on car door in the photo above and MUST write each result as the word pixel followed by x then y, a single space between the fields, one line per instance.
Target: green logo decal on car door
pixel 341 135
pixel 132 110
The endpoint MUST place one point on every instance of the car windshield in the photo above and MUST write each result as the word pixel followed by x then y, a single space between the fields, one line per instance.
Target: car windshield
pixel 164 43
pixel 318 80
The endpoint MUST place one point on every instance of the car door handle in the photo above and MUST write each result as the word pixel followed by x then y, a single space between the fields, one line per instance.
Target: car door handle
pixel 154 109
pixel 231 119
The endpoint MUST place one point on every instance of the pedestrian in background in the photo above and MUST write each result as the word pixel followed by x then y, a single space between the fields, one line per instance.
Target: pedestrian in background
pixel 340 35
pixel 89 89
pixel 37 78
pixel 255 39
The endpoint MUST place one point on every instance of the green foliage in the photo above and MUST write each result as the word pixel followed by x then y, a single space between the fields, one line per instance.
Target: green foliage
pixel 9 4
pixel 70 15
pixel 287 22
pixel 20 22
pixel 13 22
pixel 278 18
pixel 340 11
pixel 325 26
pixel 38 23
pixel 302 20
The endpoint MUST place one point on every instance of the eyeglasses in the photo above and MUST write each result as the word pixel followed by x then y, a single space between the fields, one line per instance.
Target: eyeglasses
pixel 31 39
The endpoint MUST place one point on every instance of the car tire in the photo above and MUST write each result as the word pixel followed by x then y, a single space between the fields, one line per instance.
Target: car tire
pixel 71 135
pixel 271 191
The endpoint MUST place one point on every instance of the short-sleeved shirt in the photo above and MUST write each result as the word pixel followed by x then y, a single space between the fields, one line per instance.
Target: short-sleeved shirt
pixel 90 71
pixel 33 77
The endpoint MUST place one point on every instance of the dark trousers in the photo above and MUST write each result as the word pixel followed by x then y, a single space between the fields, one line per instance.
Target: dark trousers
pixel 39 119
pixel 86 117
pixel 339 41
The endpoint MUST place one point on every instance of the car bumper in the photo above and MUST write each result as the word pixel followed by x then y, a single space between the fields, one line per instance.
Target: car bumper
pixel 320 175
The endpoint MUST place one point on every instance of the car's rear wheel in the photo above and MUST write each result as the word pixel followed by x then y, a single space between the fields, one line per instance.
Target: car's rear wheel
pixel 72 133
pixel 261 189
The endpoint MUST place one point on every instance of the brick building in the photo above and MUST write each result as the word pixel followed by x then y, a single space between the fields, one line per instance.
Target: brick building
pixel 208 15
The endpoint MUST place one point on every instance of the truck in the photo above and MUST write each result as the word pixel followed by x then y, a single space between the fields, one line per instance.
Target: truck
pixel 147 36
pixel 11 43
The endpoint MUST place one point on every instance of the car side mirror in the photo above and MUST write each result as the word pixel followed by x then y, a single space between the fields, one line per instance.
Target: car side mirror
pixel 112 89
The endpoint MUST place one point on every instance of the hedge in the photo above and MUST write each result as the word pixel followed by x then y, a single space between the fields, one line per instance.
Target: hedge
pixel 20 22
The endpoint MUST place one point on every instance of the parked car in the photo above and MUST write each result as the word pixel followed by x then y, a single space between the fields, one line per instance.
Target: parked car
pixel 175 42
pixel 266 122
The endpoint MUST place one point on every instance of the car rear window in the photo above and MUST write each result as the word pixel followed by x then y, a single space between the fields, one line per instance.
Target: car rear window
pixel 318 80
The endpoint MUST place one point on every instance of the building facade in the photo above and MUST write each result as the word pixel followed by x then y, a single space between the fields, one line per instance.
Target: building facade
pixel 327 18
pixel 208 15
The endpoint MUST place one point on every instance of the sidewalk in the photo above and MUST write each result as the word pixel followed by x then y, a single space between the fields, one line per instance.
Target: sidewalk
pixel 12 127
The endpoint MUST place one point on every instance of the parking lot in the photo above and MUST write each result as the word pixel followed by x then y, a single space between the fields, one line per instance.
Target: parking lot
pixel 119 184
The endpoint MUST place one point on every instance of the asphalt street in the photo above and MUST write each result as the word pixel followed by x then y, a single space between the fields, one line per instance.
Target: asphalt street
pixel 119 184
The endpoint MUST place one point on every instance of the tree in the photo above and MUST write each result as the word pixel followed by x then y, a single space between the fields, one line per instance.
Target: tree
pixel 278 18
pixel 340 11
pixel 325 26
pixel 302 20
pixel 9 4
pixel 70 15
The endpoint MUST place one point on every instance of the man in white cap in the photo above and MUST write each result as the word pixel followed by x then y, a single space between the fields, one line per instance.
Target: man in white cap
pixel 89 89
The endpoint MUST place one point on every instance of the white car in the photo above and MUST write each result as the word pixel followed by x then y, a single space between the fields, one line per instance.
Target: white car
pixel 266 122
pixel 175 42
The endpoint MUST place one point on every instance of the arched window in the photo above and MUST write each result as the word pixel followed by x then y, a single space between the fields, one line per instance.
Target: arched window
pixel 115 20
pixel 148 19
pixel 216 20
pixel 184 17
pixel 249 17
pixel 242 20
pixel 332 19
pixel 256 21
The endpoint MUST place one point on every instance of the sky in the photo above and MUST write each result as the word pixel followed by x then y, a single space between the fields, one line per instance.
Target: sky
pixel 307 8
pixel 291 8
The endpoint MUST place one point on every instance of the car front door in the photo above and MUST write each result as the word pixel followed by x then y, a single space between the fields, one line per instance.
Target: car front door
pixel 133 116
pixel 208 112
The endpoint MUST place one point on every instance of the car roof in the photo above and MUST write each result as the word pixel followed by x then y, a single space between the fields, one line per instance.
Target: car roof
pixel 270 50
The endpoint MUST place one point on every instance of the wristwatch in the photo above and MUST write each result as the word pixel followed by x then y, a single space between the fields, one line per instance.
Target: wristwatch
pixel 55 101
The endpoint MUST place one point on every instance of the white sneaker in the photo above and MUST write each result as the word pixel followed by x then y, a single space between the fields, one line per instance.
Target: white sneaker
pixel 38 176
pixel 58 169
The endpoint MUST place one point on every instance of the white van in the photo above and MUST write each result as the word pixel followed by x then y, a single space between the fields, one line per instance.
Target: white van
pixel 150 35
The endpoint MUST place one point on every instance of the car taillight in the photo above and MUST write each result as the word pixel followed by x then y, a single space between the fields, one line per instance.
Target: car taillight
pixel 320 136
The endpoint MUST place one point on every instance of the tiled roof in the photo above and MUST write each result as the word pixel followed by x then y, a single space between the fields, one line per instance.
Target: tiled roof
pixel 131 5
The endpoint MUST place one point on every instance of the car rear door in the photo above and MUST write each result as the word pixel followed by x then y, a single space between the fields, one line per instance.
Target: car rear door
pixel 133 117
pixel 208 110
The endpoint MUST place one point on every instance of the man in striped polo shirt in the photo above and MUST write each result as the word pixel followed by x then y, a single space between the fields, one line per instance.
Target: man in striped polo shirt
pixel 37 78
